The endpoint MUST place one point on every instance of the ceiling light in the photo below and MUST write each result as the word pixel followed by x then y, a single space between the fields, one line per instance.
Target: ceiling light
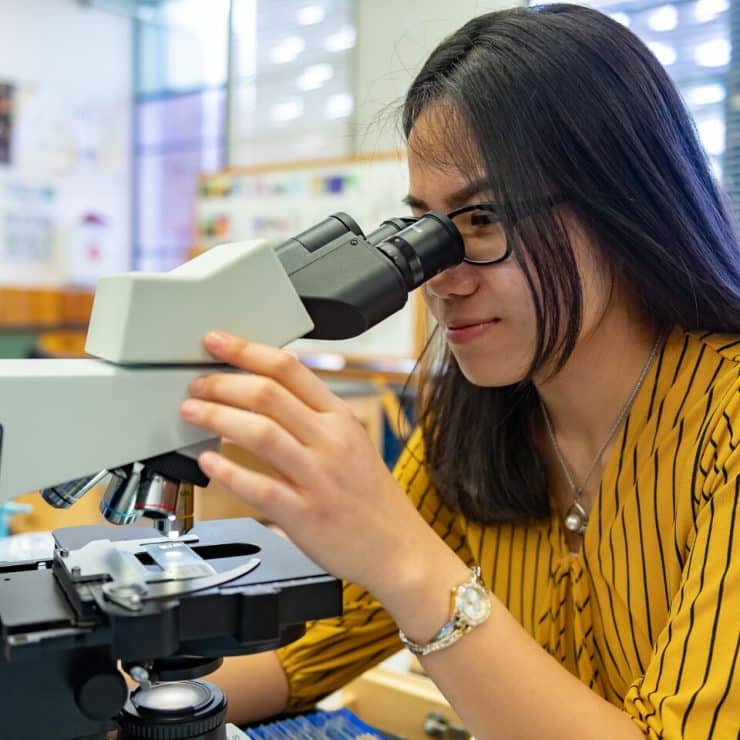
pixel 707 10
pixel 622 18
pixel 315 76
pixel 342 40
pixel 287 111
pixel 340 105
pixel 714 53
pixel 665 54
pixel 712 135
pixel 664 18
pixel 310 15
pixel 706 94
pixel 287 50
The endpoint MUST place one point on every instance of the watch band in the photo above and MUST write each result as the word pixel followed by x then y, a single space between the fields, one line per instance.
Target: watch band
pixel 461 621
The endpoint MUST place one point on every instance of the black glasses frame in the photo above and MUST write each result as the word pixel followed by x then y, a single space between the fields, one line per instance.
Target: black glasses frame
pixel 495 208
pixel 491 208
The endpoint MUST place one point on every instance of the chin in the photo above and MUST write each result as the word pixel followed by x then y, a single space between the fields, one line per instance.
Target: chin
pixel 487 376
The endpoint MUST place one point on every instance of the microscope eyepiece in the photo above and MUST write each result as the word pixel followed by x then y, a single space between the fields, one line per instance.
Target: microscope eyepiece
pixel 422 248
pixel 348 282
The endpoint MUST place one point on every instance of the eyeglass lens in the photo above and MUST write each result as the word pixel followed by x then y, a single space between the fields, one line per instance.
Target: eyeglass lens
pixel 483 234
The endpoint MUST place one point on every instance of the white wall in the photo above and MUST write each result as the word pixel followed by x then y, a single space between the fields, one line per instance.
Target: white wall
pixel 72 67
pixel 394 38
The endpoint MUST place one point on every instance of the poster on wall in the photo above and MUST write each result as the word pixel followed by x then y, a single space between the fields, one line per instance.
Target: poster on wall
pixel 6 122
pixel 28 231
pixel 29 223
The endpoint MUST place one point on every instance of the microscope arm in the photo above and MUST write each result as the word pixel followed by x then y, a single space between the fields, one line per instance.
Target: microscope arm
pixel 66 419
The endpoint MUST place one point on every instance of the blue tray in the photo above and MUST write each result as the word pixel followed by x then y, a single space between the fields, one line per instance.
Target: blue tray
pixel 338 725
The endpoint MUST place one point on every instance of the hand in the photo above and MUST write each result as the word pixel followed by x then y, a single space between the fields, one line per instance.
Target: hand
pixel 334 495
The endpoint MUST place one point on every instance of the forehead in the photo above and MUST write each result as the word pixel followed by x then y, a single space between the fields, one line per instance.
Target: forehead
pixel 444 167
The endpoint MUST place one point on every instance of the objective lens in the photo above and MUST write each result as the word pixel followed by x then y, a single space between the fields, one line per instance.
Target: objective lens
pixel 181 522
pixel 424 248
pixel 118 504
pixel 66 494
pixel 157 496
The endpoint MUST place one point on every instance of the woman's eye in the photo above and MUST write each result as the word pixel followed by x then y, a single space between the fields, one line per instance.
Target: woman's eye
pixel 481 219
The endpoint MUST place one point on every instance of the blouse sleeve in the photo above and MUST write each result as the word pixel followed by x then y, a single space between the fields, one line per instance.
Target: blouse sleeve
pixel 691 686
pixel 334 651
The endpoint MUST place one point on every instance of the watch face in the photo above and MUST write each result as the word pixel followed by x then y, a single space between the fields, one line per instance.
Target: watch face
pixel 473 603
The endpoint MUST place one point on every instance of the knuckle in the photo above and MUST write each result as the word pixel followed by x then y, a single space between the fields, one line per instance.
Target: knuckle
pixel 211 385
pixel 265 434
pixel 284 365
pixel 238 347
pixel 229 476
pixel 268 494
pixel 346 414
pixel 264 392
pixel 209 414
pixel 322 513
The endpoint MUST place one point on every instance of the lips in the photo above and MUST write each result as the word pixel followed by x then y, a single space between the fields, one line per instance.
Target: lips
pixel 463 331
pixel 466 323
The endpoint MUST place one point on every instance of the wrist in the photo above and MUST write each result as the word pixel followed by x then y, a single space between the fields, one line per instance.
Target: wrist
pixel 470 607
pixel 418 592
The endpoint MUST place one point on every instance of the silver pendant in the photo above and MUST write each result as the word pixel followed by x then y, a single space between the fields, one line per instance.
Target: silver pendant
pixel 576 518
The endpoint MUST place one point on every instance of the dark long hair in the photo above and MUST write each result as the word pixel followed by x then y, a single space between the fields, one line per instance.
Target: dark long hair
pixel 561 100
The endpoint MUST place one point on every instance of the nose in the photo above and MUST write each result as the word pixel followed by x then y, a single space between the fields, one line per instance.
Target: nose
pixel 460 280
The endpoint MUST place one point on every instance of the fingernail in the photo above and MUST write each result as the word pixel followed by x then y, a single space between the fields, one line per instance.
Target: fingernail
pixel 197 385
pixel 217 339
pixel 189 409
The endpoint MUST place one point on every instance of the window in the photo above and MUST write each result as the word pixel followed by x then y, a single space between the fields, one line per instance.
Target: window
pixel 274 86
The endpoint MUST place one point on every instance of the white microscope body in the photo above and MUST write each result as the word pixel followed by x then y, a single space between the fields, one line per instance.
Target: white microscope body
pixel 65 419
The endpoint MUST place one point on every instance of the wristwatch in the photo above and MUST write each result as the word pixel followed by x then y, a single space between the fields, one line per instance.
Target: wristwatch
pixel 471 606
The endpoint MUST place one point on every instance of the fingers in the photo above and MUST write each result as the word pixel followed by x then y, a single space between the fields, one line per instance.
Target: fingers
pixel 274 499
pixel 257 434
pixel 261 395
pixel 273 363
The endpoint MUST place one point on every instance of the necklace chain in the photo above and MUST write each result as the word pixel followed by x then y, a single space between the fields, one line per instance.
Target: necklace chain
pixel 576 509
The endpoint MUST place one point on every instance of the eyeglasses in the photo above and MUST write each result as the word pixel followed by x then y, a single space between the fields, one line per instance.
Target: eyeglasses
pixel 482 229
pixel 485 235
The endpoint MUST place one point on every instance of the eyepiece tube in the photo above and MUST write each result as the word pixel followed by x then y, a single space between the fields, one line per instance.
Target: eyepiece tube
pixel 323 233
pixel 424 248
pixel 66 494
pixel 387 229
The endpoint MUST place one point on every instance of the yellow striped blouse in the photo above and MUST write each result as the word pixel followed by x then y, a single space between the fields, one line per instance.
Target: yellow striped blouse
pixel 648 614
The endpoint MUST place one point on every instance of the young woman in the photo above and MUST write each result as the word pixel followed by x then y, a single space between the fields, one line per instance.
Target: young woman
pixel 581 443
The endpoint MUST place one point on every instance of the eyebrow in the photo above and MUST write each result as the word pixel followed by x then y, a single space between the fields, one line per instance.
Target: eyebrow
pixel 455 200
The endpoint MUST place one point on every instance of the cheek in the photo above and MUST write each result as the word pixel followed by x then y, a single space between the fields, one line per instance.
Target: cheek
pixel 431 301
pixel 510 293
pixel 597 289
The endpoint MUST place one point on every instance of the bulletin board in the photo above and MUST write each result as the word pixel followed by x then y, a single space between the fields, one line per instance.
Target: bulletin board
pixel 64 186
pixel 280 201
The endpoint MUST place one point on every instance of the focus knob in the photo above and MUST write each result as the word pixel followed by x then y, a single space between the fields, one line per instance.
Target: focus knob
pixel 102 695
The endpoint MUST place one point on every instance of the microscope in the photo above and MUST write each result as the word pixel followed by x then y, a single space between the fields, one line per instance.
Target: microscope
pixel 166 603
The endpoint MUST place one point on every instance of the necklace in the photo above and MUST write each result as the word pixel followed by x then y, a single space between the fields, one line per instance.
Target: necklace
pixel 576 518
